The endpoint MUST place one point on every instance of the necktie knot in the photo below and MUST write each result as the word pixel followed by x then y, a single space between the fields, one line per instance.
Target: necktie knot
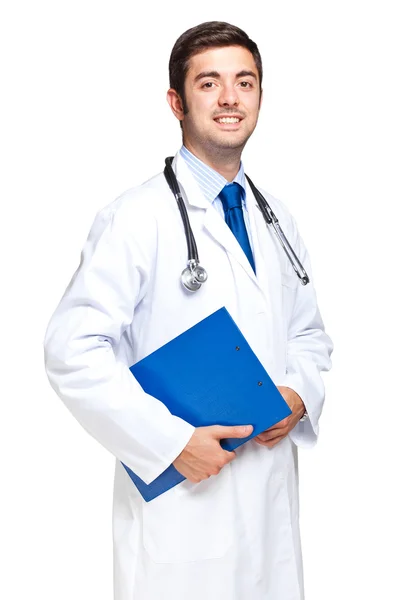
pixel 230 196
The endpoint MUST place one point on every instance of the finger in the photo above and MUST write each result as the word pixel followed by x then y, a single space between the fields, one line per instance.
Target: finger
pixel 229 456
pixel 238 431
pixel 281 425
pixel 271 435
pixel 271 443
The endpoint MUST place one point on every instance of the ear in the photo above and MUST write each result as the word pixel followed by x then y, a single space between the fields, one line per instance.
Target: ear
pixel 175 103
pixel 260 99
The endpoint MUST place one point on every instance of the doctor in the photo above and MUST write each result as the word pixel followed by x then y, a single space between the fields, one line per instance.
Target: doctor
pixel 230 531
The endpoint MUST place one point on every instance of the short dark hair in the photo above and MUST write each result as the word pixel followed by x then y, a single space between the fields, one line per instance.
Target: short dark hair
pixel 212 34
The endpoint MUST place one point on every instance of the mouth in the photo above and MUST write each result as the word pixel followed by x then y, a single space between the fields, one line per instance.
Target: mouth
pixel 228 122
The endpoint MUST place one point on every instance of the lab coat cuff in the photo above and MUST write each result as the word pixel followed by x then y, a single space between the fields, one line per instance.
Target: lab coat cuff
pixel 183 431
pixel 305 433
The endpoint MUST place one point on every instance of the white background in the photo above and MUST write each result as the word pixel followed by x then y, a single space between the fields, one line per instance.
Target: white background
pixel 83 118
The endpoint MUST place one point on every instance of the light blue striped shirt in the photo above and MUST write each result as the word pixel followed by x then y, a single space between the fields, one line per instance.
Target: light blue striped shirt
pixel 211 183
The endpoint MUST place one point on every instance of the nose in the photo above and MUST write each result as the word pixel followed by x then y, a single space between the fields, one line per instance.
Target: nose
pixel 228 96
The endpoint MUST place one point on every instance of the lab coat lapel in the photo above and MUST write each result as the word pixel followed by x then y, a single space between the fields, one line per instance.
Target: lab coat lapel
pixel 214 224
pixel 267 254
pixel 220 231
pixel 264 246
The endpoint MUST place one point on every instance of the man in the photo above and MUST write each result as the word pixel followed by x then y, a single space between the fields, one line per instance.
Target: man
pixel 230 530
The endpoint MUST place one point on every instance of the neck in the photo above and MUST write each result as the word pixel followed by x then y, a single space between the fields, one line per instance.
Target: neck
pixel 226 162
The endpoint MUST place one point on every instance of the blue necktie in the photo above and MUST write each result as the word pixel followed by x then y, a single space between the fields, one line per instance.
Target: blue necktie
pixel 230 197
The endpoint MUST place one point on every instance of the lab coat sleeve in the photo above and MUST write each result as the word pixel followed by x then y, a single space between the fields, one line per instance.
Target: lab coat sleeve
pixel 98 306
pixel 308 352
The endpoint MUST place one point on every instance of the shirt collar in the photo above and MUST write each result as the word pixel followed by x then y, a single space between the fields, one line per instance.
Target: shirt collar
pixel 210 181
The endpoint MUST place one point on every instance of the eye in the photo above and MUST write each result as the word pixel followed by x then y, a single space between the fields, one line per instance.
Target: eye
pixel 208 84
pixel 245 84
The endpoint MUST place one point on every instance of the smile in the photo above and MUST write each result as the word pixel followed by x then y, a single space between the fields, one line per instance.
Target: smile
pixel 228 120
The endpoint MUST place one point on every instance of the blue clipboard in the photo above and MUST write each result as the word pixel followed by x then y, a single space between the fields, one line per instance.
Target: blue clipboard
pixel 209 375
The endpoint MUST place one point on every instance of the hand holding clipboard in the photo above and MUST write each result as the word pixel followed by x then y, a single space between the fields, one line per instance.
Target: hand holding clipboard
pixel 233 388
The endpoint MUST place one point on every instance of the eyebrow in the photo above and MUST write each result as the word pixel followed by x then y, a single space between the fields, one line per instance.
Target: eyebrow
pixel 216 74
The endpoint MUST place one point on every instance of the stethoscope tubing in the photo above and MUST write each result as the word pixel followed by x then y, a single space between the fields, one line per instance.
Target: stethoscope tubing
pixel 271 219
pixel 267 213
pixel 174 186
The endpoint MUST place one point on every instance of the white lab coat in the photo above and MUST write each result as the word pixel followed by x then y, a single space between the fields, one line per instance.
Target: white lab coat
pixel 235 535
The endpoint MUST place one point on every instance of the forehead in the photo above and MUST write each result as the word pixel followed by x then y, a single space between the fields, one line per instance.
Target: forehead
pixel 226 60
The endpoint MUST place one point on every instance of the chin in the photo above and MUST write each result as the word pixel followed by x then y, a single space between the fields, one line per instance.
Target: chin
pixel 232 145
pixel 229 142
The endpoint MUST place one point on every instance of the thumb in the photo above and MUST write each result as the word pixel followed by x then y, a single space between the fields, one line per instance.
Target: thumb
pixel 236 431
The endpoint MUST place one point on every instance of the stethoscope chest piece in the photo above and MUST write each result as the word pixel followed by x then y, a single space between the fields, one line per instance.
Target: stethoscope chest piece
pixel 193 276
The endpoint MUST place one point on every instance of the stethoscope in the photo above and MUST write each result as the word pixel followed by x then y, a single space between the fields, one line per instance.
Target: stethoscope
pixel 194 275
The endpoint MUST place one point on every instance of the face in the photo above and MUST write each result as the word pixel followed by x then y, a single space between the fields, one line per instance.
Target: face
pixel 223 100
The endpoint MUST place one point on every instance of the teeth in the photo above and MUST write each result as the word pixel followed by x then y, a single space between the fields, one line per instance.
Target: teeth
pixel 228 120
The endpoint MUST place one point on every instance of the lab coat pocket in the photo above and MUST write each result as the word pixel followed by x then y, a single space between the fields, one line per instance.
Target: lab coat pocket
pixel 190 522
